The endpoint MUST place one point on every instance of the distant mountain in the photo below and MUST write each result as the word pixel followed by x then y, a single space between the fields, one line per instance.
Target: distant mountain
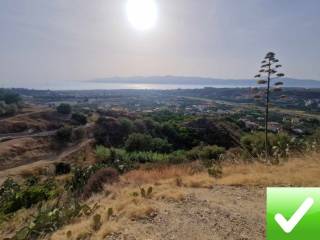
pixel 201 81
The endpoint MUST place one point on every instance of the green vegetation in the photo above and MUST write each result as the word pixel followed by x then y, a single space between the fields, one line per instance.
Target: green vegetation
pixel 14 197
pixel 279 145
pixel 79 118
pixel 98 179
pixel 50 218
pixel 64 135
pixel 9 102
pixel 9 97
pixel 127 140
pixel 64 108
pixel 269 71
pixel 145 143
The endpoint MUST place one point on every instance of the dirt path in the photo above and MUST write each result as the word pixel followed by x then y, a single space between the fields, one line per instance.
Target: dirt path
pixel 224 212
pixel 12 172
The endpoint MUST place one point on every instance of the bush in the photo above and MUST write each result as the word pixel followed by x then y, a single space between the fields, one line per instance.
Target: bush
pixel 9 97
pixel 194 153
pixel 14 197
pixel 215 171
pixel 177 157
pixel 64 135
pixel 103 154
pixel 98 179
pixel 146 157
pixel 79 118
pixel 138 142
pixel 279 145
pixel 81 177
pixel 110 132
pixel 64 108
pixel 160 145
pixel 127 126
pixel 145 143
pixel 62 168
pixel 78 134
pixel 314 140
pixel 210 154
pixel 50 219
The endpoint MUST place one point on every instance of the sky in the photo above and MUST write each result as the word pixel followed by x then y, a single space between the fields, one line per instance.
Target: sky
pixel 46 42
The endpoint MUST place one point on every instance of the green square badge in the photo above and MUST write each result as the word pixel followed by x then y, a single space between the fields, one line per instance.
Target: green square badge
pixel 293 213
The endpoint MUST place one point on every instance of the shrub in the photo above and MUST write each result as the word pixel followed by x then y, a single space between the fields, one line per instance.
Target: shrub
pixel 98 179
pixel 138 142
pixel 96 224
pixel 31 181
pixel 62 168
pixel 81 177
pixel 50 219
pixel 64 134
pixel 194 153
pixel 110 132
pixel 78 134
pixel 160 145
pixel 177 157
pixel 11 109
pixel 103 154
pixel 146 194
pixel 79 118
pixel 8 190
pixel 14 197
pixel 127 126
pixel 146 157
pixel 211 152
pixel 278 145
pixel 314 140
pixel 9 97
pixel 64 108
pixel 215 171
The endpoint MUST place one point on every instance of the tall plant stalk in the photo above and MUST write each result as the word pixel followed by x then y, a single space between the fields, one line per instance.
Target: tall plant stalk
pixel 268 72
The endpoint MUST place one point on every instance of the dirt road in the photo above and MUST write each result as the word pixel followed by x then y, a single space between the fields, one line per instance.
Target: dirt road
pixel 16 171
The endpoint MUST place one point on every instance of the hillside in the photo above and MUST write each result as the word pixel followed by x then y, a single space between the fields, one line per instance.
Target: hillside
pixel 184 203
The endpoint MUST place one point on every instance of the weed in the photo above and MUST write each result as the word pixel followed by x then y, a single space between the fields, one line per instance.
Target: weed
pixel 96 225
pixel 98 179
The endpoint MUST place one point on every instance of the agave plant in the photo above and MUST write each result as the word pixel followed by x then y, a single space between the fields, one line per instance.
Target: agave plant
pixel 268 73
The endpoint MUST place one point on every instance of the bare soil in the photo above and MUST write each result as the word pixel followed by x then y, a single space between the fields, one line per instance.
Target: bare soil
pixel 35 120
pixel 223 212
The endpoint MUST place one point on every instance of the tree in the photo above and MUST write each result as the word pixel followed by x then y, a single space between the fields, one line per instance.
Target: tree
pixel 63 135
pixel 79 118
pixel 138 142
pixel 9 96
pixel 109 132
pixel 269 72
pixel 64 108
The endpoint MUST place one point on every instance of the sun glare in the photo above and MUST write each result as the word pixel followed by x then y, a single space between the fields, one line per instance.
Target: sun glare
pixel 142 14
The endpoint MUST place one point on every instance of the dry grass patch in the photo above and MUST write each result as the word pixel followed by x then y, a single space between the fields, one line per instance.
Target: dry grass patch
pixel 143 176
pixel 171 195
pixel 202 180
pixel 302 171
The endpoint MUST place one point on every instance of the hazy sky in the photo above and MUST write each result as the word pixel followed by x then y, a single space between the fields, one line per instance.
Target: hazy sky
pixel 54 41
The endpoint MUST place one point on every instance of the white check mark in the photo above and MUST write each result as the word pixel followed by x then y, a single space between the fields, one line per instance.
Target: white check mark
pixel 288 226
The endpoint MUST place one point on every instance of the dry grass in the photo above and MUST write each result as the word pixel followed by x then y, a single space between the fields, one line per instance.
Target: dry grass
pixel 174 183
pixel 302 171
pixel 142 176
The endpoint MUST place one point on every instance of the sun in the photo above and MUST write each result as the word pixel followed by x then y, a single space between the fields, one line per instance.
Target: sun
pixel 142 14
